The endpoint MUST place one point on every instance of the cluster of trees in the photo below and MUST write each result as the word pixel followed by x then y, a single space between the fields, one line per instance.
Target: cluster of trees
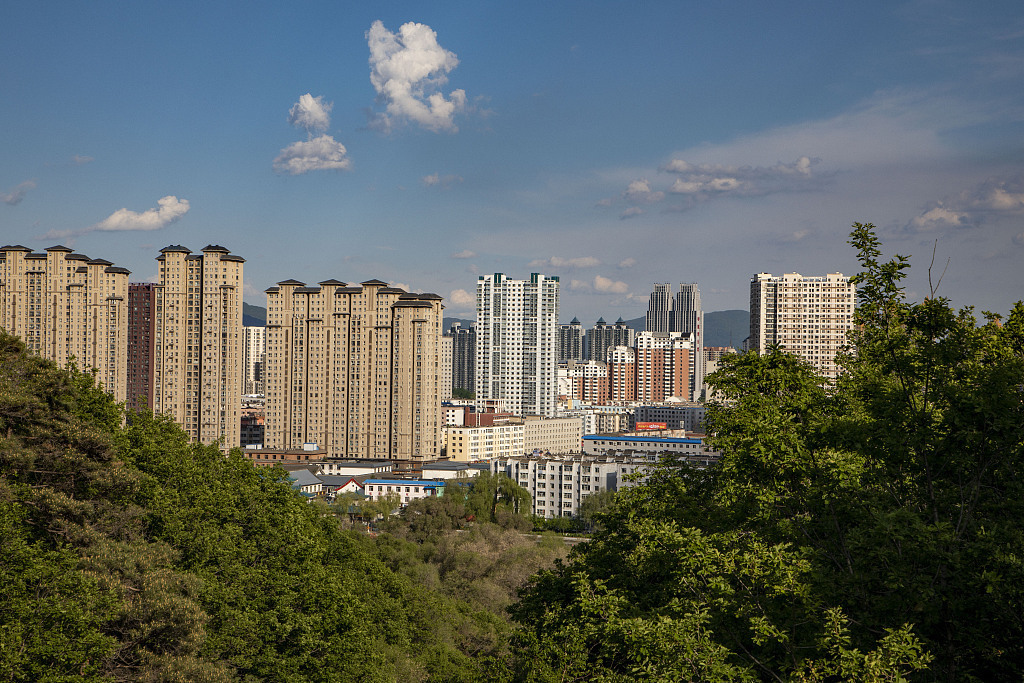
pixel 865 531
pixel 127 553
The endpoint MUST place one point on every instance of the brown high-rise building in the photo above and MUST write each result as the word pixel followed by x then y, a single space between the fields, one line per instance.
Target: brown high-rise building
pixel 141 344
pixel 198 350
pixel 353 369
pixel 66 306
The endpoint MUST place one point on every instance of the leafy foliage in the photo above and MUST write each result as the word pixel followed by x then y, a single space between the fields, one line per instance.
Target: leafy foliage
pixel 866 530
pixel 130 554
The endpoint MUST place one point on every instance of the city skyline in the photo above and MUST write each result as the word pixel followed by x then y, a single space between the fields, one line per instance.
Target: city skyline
pixel 608 145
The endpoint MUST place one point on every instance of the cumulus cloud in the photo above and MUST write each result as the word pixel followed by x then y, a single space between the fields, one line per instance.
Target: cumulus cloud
pixel 631 212
pixel 311 113
pixel 320 153
pixel 559 262
pixel 168 210
pixel 640 191
pixel 440 180
pixel 607 285
pixel 579 286
pixel 1019 239
pixel 990 199
pixel 465 253
pixel 407 69
pixel 461 298
pixel 628 262
pixel 81 159
pixel 17 192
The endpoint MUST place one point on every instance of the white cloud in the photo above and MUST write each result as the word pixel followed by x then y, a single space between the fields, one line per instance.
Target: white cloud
pixel 1019 239
pixel 628 262
pixel 640 191
pixel 990 199
pixel 465 253
pixel 607 285
pixel 320 153
pixel 443 181
pixel 169 209
pixel 579 286
pixel 81 159
pixel 631 212
pixel 460 298
pixel 311 113
pixel 559 262
pixel 407 70
pixel 17 192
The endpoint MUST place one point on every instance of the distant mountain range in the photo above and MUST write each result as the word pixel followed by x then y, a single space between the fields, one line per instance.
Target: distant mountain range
pixel 721 328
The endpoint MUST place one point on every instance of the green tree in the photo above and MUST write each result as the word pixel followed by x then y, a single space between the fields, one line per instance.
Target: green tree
pixel 864 530
pixel 496 498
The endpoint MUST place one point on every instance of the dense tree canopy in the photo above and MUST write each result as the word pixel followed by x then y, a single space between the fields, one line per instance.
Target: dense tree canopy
pixel 130 554
pixel 867 530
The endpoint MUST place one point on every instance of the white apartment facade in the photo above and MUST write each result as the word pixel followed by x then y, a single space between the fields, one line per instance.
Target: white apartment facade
pixel 516 343
pixel 808 317
pixel 253 359
pixel 558 485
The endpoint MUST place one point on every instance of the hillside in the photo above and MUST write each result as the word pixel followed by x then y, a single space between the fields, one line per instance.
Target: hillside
pixel 129 554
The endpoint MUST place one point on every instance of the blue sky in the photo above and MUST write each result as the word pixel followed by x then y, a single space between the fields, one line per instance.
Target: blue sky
pixel 612 144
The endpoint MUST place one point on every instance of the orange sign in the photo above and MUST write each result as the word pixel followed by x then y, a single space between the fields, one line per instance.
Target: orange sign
pixel 650 426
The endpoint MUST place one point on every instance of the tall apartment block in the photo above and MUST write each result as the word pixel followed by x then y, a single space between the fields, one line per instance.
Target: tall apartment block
pixel 602 337
pixel 663 362
pixel 806 316
pixel 444 367
pixel 463 356
pixel 253 358
pixel 198 368
pixel 688 318
pixel 659 309
pixel 353 369
pixel 516 354
pixel 570 341
pixel 68 306
pixel 681 313
pixel 141 345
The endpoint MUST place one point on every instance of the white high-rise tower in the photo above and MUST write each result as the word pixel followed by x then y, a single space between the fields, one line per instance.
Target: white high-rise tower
pixel 516 343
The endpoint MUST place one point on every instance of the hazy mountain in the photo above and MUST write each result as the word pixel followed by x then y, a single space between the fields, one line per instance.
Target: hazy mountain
pixel 253 316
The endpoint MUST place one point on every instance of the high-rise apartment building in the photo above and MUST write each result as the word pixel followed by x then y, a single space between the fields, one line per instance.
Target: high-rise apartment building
pixel 570 341
pixel 67 306
pixel 253 359
pixel 444 367
pixel 602 337
pixel 141 345
pixel 463 356
pixel 198 356
pixel 688 318
pixel 681 313
pixel 663 366
pixel 353 369
pixel 659 309
pixel 516 354
pixel 806 316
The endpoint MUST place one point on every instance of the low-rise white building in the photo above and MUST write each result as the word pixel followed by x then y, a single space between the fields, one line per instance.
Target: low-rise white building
pixel 692 448
pixel 466 444
pixel 553 434
pixel 405 489
pixel 558 485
